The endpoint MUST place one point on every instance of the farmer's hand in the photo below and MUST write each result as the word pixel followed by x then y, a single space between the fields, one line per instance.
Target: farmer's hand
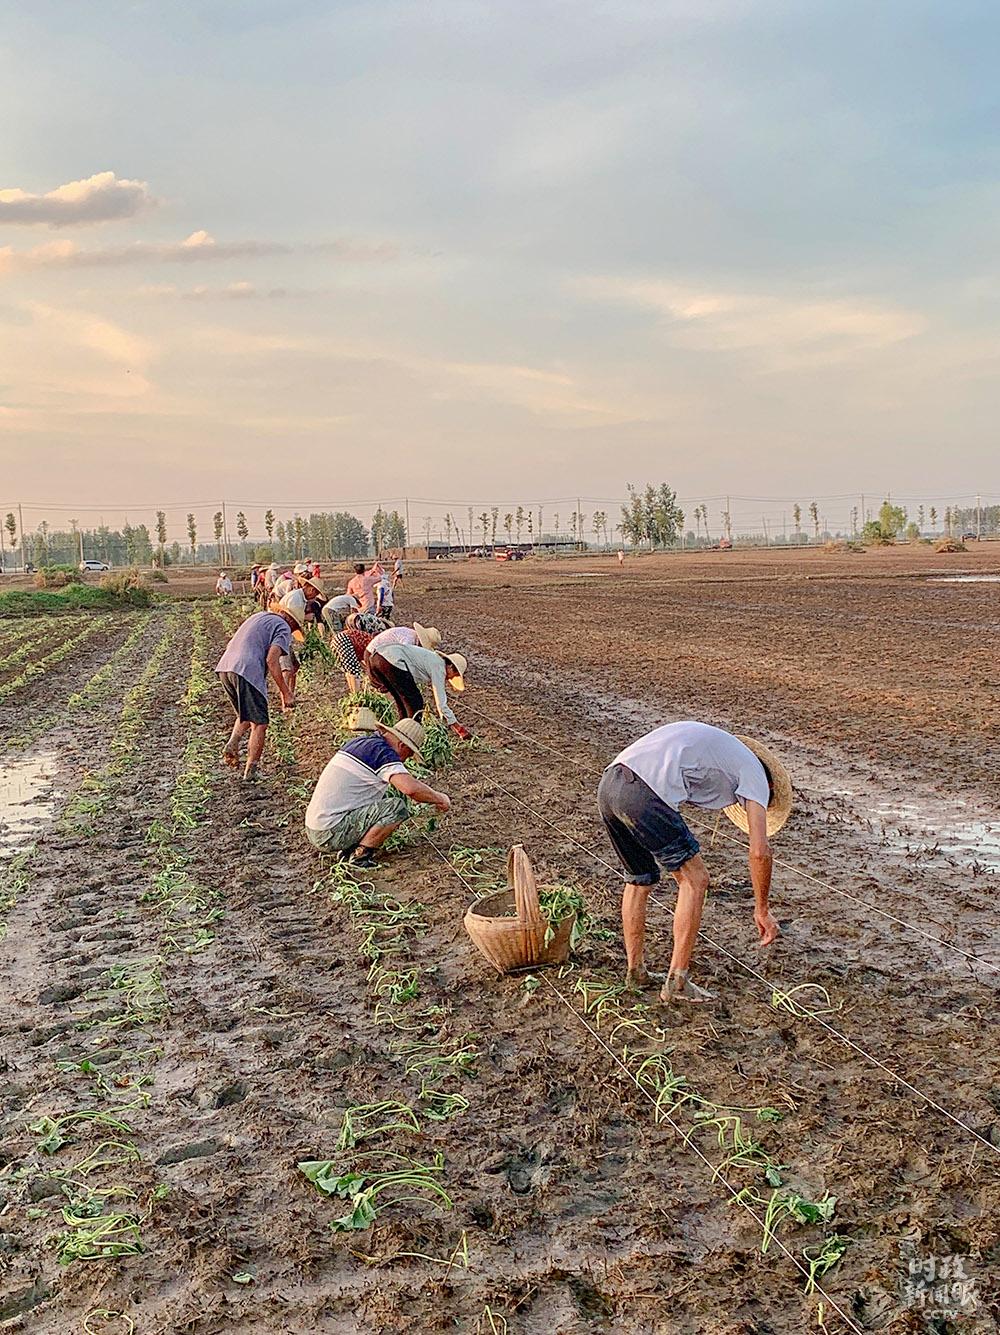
pixel 767 927
pixel 443 803
pixel 461 732
pixel 288 703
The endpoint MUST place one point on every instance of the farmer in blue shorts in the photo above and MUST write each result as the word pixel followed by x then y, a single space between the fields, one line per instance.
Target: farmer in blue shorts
pixel 639 797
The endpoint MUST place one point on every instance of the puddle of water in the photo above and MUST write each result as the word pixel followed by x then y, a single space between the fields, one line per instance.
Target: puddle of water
pixel 27 798
pixel 964 579
pixel 977 840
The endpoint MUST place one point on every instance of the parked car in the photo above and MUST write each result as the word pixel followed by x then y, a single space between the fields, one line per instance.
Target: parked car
pixel 93 565
pixel 970 537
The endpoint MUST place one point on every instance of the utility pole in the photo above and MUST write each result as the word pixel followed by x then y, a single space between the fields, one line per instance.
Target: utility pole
pixel 767 540
pixel 225 537
pixel 864 517
pixel 979 518
pixel 406 504
pixel 20 524
pixel 578 526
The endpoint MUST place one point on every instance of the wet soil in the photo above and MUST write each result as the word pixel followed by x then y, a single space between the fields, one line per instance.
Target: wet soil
pixel 579 1212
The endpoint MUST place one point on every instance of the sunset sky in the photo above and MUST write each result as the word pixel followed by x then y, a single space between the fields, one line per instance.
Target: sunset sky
pixel 278 250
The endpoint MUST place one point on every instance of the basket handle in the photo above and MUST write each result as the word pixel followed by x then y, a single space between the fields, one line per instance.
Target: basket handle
pixel 521 878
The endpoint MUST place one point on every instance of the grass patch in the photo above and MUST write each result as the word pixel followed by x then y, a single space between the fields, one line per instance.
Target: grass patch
pixel 74 598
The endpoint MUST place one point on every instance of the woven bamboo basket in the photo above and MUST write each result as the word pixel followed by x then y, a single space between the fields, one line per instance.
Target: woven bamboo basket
pixel 514 943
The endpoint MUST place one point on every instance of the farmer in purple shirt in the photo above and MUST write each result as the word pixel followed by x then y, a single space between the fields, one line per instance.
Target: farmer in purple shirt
pixel 254 652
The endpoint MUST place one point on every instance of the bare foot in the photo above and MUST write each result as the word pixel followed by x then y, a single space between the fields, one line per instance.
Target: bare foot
pixel 679 987
pixel 639 980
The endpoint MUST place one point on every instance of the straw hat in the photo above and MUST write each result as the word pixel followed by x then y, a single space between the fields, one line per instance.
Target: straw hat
pixel 363 720
pixel 409 732
pixel 294 603
pixel 780 806
pixel 315 581
pixel 428 637
pixel 300 568
pixel 461 665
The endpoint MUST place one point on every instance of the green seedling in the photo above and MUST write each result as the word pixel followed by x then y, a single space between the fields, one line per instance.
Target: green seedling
pixel 367 1120
pixel 52 1129
pixel 92 1235
pixel 415 1183
pixel 442 1107
pixel 823 1258
pixel 791 1001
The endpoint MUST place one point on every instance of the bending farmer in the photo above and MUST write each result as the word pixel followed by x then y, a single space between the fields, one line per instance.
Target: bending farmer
pixel 255 651
pixel 639 798
pixel 360 797
pixel 401 671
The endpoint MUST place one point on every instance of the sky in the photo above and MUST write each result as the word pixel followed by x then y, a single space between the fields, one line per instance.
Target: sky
pixel 275 251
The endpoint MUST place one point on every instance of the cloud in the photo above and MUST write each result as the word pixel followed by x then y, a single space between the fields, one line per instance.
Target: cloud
pixel 784 331
pixel 239 291
pixel 110 341
pixel 101 198
pixel 193 249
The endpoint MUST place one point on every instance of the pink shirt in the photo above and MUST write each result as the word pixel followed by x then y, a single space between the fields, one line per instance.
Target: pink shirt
pixel 363 588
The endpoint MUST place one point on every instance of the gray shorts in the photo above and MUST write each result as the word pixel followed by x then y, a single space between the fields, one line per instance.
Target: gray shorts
pixel 349 830
pixel 249 703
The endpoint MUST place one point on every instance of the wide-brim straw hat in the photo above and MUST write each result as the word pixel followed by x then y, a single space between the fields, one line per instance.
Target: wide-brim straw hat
pixel 364 720
pixel 409 732
pixel 294 603
pixel 315 582
pixel 461 665
pixel 780 806
pixel 428 637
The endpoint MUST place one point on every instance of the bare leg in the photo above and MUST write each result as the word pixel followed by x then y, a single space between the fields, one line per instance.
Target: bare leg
pixel 231 751
pixel 377 835
pixel 354 683
pixel 692 887
pixel 255 749
pixel 634 901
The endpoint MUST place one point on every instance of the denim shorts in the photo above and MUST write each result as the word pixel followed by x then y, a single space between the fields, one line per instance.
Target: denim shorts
pixel 645 832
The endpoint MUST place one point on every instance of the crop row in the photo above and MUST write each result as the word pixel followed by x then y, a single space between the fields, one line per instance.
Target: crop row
pixel 109 1194
pixel 97 791
pixel 367 1172
pixel 43 665
pixel 84 1155
pixel 30 635
pixel 190 910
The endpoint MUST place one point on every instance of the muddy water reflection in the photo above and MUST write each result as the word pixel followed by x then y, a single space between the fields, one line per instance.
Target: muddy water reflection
pixel 28 795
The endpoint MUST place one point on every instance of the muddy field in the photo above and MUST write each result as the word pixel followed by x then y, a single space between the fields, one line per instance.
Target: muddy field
pixel 192 1001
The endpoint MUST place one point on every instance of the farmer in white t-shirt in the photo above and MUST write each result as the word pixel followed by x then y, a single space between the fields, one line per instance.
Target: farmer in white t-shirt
pixel 639 797
pixel 361 796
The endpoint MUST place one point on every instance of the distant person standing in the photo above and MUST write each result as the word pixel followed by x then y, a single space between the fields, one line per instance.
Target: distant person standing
pixel 621 557
pixel 397 570
pixel 363 585
pixel 384 597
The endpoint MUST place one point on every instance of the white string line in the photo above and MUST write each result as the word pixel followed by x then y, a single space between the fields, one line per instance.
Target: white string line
pixel 849 1042
pixel 779 862
pixel 662 1113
